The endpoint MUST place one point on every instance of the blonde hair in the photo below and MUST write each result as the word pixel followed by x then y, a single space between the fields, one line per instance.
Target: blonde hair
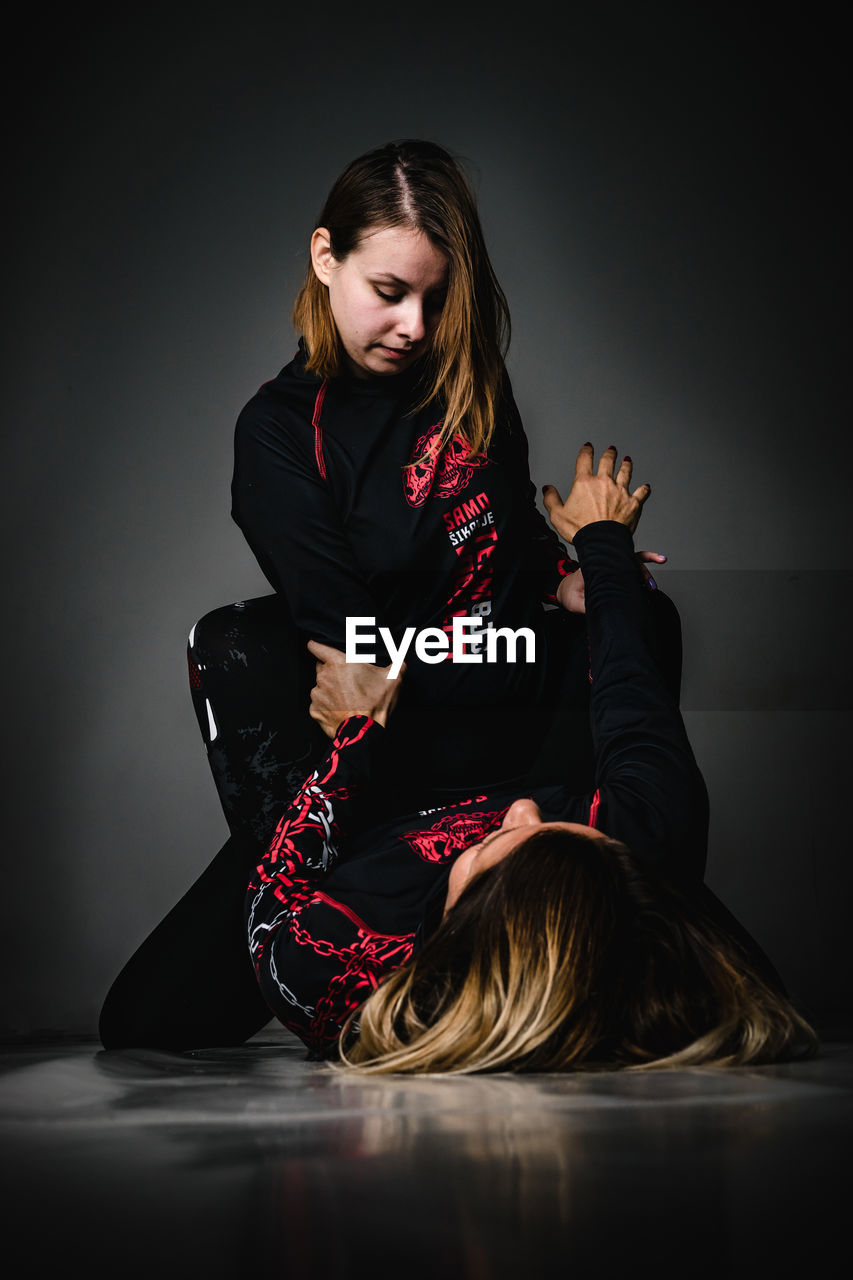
pixel 414 183
pixel 566 956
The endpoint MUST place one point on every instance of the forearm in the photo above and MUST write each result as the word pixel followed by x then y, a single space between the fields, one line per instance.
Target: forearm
pixel 651 793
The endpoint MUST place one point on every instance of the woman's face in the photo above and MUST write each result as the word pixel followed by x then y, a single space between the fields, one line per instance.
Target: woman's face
pixel 522 819
pixel 386 296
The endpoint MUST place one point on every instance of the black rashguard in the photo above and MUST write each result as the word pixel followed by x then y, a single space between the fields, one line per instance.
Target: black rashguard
pixel 339 896
pixel 342 526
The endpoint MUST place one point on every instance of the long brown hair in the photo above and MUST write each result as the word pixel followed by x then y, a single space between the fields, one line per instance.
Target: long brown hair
pixel 567 956
pixel 418 184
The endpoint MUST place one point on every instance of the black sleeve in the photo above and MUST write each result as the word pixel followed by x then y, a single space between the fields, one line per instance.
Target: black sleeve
pixel 289 519
pixel 546 558
pixel 650 792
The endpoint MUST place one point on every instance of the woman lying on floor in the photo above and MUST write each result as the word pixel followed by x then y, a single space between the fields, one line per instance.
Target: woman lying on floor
pixel 535 931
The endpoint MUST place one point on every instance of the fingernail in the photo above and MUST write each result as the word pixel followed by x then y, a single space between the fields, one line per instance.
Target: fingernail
pixel 587 444
pixel 652 583
pixel 627 458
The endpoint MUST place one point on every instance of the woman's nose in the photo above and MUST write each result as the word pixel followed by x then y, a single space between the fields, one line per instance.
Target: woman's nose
pixel 411 323
pixel 522 813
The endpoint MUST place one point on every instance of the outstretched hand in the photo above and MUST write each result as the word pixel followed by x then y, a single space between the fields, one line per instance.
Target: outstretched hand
pixel 350 689
pixel 597 495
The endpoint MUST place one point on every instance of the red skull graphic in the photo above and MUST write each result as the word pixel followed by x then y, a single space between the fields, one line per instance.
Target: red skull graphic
pixel 450 835
pixel 451 469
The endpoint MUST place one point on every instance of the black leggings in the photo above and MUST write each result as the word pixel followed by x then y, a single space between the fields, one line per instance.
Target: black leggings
pixel 191 983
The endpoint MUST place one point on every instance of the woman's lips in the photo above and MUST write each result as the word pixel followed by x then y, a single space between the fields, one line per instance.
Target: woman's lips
pixel 395 353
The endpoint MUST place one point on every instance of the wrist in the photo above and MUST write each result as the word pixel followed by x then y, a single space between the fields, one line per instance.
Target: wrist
pixel 563 592
pixel 603 533
pixel 353 724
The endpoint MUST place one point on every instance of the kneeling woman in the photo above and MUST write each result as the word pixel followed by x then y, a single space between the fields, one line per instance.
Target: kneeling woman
pixel 561 931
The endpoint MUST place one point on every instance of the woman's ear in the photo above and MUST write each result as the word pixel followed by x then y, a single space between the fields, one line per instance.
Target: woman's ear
pixel 321 254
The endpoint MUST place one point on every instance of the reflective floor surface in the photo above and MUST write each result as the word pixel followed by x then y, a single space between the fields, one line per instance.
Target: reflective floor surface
pixel 230 1162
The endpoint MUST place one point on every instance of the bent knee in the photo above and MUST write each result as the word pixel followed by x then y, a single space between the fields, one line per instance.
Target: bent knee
pixel 230 637
pixel 216 640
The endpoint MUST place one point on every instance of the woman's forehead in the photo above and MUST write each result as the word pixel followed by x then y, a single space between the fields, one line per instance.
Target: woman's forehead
pixel 404 253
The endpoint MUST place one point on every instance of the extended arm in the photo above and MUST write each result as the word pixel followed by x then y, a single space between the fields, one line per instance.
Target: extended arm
pixel 650 793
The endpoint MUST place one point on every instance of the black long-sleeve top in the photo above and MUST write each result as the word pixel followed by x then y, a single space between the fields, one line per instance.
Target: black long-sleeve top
pixel 340 894
pixel 342 526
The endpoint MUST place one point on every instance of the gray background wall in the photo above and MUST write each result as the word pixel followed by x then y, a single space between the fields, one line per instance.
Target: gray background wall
pixel 661 189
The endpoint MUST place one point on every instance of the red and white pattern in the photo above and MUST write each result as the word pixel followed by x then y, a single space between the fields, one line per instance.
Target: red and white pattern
pixel 289 913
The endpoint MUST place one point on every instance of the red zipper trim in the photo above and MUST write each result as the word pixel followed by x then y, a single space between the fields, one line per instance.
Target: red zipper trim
pixel 593 809
pixel 318 430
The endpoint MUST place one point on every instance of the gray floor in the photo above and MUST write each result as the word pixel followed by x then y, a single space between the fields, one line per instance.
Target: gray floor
pixel 232 1161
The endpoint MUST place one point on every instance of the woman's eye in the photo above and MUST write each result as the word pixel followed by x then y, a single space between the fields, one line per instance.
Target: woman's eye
pixel 390 297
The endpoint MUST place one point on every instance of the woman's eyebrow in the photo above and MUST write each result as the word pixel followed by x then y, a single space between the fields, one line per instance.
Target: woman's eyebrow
pixel 389 277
